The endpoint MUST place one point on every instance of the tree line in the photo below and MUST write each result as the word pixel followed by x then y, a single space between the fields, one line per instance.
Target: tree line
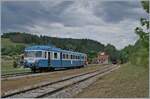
pixel 138 54
pixel 90 47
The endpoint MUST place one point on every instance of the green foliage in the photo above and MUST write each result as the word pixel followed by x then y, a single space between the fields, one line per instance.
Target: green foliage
pixel 112 52
pixel 145 4
pixel 16 42
pixel 139 55
pixel 10 48
pixel 125 53
pixel 14 64
pixel 91 55
pixel 90 47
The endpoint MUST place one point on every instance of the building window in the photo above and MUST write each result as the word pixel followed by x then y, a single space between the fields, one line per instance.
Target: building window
pixel 55 55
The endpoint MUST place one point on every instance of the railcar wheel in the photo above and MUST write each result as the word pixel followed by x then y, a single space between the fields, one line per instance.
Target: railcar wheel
pixel 51 69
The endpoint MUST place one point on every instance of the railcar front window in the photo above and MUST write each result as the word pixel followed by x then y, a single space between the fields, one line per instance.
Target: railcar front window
pixel 33 54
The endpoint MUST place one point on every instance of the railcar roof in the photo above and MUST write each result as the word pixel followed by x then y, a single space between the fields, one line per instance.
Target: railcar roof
pixel 49 48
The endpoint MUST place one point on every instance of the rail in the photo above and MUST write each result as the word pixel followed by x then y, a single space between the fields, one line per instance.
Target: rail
pixel 50 88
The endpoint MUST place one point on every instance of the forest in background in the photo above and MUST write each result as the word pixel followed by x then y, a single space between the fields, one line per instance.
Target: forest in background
pixel 22 40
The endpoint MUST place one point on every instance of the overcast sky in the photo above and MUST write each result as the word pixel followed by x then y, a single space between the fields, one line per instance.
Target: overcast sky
pixel 104 21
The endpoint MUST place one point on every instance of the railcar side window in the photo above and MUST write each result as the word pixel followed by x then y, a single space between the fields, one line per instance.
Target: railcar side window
pixel 82 57
pixel 55 55
pixel 66 56
pixel 63 56
pixel 72 56
pixel 45 54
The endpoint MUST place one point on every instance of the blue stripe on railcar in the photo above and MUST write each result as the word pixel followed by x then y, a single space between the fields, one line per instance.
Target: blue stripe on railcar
pixel 58 64
pixel 55 63
pixel 66 63
pixel 42 63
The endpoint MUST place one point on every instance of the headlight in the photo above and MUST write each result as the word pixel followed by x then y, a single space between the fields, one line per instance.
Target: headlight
pixel 25 61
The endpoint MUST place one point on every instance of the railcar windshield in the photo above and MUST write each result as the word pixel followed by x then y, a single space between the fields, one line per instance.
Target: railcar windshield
pixel 33 54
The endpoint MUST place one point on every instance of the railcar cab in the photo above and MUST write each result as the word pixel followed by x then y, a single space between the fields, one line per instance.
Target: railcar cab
pixel 32 58
pixel 37 57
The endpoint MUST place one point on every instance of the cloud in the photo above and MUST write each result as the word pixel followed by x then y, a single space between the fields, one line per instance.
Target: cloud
pixel 116 11
pixel 104 21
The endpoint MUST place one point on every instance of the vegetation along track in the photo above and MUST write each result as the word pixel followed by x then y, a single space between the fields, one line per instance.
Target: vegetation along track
pixel 57 86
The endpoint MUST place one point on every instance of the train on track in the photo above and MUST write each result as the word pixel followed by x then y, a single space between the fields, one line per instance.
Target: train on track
pixel 42 57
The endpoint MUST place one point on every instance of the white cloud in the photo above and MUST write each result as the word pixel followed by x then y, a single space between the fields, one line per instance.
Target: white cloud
pixel 120 34
pixel 78 20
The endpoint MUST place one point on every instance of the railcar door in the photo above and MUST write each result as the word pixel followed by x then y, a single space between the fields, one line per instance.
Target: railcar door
pixel 49 58
pixel 61 58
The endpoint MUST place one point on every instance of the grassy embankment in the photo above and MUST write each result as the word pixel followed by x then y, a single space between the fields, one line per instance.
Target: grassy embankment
pixel 7 61
pixel 128 81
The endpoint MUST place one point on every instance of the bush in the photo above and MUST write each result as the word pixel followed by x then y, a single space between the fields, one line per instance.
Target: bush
pixel 15 64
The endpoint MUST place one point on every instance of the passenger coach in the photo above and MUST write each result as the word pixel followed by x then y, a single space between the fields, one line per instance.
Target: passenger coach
pixel 48 57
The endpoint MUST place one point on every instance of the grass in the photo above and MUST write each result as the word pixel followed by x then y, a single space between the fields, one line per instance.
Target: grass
pixel 6 42
pixel 7 61
pixel 129 81
pixel 7 67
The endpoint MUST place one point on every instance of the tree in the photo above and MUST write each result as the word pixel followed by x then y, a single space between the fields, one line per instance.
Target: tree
pixel 139 55
pixel 112 52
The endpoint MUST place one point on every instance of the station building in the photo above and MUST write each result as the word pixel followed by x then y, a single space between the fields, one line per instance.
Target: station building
pixel 102 58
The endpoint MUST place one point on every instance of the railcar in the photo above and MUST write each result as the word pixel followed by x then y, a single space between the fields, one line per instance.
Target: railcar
pixel 47 57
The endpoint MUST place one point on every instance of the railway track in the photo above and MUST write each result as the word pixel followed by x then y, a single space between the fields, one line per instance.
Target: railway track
pixel 51 89
pixel 15 74
pixel 24 74
pixel 28 74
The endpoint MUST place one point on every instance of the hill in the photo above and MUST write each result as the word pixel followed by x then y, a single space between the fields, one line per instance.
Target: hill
pixel 14 43
pixel 18 41
pixel 6 42
pixel 11 48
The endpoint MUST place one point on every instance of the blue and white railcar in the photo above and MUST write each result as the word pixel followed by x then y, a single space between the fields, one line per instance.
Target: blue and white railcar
pixel 48 57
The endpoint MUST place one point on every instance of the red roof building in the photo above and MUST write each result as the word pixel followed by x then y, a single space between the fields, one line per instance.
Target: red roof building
pixel 102 58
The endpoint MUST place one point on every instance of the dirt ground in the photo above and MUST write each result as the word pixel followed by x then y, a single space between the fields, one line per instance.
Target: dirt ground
pixel 126 82
pixel 8 85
